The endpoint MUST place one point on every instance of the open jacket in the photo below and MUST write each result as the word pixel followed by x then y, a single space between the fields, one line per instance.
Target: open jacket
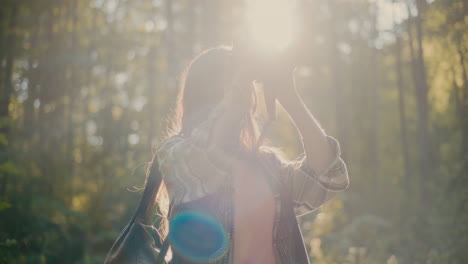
pixel 198 177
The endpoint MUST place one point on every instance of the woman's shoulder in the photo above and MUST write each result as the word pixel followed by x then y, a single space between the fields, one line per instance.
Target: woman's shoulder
pixel 272 155
pixel 195 151
pixel 276 158
pixel 170 138
pixel 167 143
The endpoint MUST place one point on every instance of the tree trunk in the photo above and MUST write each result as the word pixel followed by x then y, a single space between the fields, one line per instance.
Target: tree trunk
pixel 464 100
pixel 6 93
pixel 2 46
pixel 337 84
pixel 29 111
pixel 8 75
pixel 373 108
pixel 170 45
pixel 425 163
pixel 70 86
pixel 422 102
pixel 402 111
pixel 151 91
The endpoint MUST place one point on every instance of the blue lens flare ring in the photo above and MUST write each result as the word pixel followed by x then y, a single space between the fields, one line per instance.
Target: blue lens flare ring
pixel 197 237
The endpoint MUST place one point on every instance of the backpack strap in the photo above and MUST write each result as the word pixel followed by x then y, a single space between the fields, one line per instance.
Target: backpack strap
pixel 135 242
pixel 145 209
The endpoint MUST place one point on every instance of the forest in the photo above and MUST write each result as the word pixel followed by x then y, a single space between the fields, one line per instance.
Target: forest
pixel 86 87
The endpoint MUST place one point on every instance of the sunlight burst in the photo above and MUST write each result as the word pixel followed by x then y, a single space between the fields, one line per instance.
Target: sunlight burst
pixel 270 23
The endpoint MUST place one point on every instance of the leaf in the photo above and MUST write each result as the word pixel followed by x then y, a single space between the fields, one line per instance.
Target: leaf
pixel 9 168
pixel 4 205
pixel 3 140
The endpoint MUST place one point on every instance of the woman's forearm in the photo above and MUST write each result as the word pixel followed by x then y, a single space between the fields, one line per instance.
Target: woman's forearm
pixel 318 150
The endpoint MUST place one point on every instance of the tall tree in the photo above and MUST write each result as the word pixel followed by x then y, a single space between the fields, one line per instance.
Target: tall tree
pixel 6 94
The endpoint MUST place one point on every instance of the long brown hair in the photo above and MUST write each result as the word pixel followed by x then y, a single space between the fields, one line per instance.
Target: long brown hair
pixel 202 85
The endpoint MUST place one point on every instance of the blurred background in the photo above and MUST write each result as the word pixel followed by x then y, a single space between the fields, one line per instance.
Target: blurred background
pixel 86 87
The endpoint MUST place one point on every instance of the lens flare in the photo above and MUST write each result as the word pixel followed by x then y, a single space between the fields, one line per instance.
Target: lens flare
pixel 270 23
pixel 197 237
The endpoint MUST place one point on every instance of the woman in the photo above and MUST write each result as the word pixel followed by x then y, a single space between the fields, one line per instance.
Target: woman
pixel 215 162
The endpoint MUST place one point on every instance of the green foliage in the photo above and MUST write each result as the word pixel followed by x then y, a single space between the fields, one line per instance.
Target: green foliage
pixel 4 205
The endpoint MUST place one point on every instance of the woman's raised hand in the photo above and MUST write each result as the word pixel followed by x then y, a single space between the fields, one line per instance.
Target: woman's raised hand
pixel 275 70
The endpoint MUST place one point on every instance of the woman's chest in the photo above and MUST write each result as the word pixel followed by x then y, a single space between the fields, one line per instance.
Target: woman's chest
pixel 251 185
pixel 254 215
pixel 255 195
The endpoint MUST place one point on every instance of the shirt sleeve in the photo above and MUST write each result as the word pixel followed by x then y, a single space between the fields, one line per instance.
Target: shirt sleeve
pixel 311 189
pixel 191 166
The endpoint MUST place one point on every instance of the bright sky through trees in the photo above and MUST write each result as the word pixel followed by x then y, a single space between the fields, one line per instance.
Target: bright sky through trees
pixel 271 22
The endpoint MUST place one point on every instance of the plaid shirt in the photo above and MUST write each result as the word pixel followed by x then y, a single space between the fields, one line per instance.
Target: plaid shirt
pixel 198 175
